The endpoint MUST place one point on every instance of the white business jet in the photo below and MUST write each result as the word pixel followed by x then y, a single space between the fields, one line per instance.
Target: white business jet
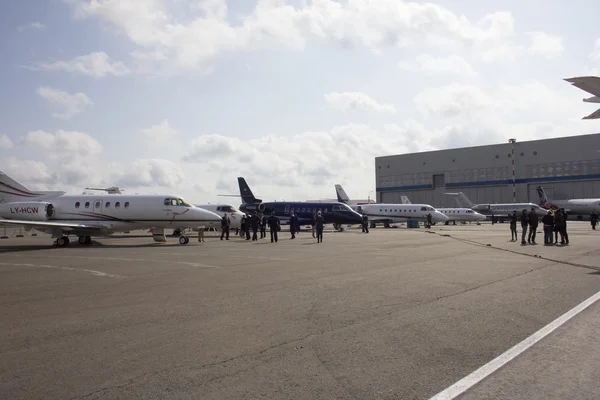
pixel 87 215
pixel 392 213
pixel 590 84
pixel 459 214
pixel 497 209
pixel 572 206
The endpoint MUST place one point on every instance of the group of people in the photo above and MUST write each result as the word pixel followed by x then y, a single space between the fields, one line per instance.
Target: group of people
pixel 555 221
pixel 259 223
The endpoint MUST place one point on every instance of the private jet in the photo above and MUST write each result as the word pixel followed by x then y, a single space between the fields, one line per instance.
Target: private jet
pixel 87 216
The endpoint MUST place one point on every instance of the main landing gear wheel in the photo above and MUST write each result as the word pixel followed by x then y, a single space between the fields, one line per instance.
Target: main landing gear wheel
pixel 62 241
pixel 85 240
pixel 184 240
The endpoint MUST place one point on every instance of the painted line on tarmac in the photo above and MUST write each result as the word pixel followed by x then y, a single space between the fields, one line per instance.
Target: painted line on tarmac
pixel 193 264
pixel 477 376
pixel 90 271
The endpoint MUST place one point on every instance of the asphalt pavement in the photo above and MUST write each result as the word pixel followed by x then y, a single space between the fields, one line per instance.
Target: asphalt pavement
pixel 395 314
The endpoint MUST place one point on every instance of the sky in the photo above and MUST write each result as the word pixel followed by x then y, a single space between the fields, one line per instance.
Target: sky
pixel 184 96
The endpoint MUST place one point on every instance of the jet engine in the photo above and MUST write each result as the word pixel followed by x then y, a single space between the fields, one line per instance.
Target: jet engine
pixel 28 210
pixel 260 207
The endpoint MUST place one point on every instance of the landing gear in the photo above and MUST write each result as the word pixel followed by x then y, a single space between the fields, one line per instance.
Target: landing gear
pixel 85 240
pixel 184 239
pixel 62 241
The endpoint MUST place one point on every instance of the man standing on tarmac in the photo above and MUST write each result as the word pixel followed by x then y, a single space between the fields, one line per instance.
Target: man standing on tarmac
pixel 273 226
pixel 548 222
pixel 293 223
pixel 513 227
pixel 365 223
pixel 524 225
pixel 225 223
pixel 533 224
pixel 254 222
pixel 319 225
pixel 263 226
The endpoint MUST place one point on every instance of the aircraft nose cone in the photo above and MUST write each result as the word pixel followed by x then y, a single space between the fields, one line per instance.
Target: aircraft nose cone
pixel 441 217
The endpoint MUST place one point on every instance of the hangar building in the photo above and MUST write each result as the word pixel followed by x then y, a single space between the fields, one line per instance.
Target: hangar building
pixel 567 167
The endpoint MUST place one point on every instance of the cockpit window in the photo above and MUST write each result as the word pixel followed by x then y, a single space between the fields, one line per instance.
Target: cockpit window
pixel 423 208
pixel 182 202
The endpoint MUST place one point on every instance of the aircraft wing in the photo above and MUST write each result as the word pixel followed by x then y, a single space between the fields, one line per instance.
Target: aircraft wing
pixel 590 84
pixel 46 224
pixel 594 115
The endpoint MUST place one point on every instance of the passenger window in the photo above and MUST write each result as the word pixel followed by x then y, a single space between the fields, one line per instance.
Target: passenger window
pixel 107 205
pixel 97 205
pixel 304 210
pixel 87 204
pixel 77 205
pixel 126 204
pixel 117 204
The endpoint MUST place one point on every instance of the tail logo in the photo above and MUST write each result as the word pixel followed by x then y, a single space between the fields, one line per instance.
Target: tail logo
pixel 547 205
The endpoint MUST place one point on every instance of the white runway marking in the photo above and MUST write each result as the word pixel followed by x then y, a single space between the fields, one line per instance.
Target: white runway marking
pixel 193 264
pixel 90 271
pixel 477 376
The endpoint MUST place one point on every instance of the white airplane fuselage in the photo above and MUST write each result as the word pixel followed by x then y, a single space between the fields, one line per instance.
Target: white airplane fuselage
pixel 462 214
pixel 91 215
pixel 578 206
pixel 392 213
pixel 507 208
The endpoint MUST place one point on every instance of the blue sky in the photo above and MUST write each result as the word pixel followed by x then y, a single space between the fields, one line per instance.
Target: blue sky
pixel 295 96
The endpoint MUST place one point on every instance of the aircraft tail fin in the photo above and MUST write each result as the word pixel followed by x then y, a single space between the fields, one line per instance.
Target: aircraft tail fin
pixel 245 192
pixel 544 201
pixel 11 190
pixel 341 194
pixel 405 200
pixel 461 199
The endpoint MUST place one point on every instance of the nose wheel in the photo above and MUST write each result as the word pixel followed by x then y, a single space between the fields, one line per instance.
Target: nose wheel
pixel 184 240
pixel 62 242
pixel 85 240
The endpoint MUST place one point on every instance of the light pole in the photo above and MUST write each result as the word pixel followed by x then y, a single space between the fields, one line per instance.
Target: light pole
pixel 512 156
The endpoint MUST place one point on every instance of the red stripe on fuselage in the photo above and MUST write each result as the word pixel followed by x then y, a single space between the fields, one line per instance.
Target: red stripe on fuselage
pixel 18 190
pixel 20 194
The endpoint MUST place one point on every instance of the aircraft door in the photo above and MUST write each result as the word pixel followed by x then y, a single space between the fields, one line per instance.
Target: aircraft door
pixel 98 207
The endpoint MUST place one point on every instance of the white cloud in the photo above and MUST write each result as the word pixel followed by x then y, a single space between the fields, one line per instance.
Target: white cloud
pixel 5 143
pixel 96 64
pixel 596 52
pixel 33 25
pixel 150 173
pixel 159 132
pixel 62 142
pixel 355 101
pixel 444 65
pixel 169 41
pixel 550 46
pixel 72 103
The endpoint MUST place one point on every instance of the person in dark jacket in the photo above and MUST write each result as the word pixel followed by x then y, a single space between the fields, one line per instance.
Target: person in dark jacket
pixel 548 222
pixel 319 222
pixel 563 230
pixel 263 226
pixel 594 219
pixel 365 223
pixel 273 226
pixel 225 224
pixel 524 225
pixel 513 227
pixel 254 222
pixel 293 224
pixel 559 219
pixel 243 223
pixel 247 227
pixel 533 224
